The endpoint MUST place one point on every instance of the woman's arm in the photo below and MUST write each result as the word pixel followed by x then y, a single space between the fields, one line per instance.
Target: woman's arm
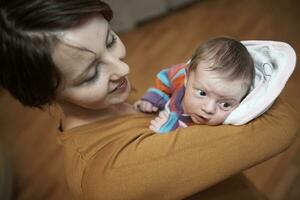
pixel 186 161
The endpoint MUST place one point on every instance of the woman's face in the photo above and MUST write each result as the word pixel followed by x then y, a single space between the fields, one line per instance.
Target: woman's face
pixel 90 61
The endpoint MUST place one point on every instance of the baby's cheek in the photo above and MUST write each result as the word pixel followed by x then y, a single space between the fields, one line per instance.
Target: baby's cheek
pixel 220 117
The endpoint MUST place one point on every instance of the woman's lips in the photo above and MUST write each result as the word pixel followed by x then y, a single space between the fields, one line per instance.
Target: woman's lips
pixel 121 86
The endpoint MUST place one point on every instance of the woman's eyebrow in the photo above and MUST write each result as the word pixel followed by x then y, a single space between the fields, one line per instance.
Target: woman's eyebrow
pixel 80 48
pixel 83 73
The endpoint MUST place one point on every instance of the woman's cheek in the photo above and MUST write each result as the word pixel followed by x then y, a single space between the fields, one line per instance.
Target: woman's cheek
pixel 94 94
pixel 82 95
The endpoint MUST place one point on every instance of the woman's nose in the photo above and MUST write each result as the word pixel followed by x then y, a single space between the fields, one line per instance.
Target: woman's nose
pixel 118 69
pixel 209 107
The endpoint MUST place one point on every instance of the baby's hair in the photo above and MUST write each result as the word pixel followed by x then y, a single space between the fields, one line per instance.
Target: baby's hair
pixel 227 56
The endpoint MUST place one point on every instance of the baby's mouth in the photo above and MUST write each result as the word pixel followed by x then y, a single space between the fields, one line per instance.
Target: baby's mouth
pixel 200 118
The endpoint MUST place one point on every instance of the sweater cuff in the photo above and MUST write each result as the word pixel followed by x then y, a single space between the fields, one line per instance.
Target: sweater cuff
pixel 156 97
pixel 171 124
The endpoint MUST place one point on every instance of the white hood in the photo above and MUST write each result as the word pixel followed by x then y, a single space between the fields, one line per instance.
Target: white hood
pixel 274 64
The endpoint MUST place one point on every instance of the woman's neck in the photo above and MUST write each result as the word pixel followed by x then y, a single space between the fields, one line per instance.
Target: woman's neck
pixel 74 115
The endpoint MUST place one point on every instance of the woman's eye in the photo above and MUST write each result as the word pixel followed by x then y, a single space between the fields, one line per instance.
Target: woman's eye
pixel 111 41
pixel 201 93
pixel 92 78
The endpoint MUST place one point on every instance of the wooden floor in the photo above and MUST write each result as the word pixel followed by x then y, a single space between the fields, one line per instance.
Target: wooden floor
pixel 29 136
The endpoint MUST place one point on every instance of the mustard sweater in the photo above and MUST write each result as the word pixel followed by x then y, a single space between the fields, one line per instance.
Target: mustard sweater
pixel 121 158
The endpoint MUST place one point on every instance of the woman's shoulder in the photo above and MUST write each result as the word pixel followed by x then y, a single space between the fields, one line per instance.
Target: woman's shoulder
pixel 103 131
pixel 98 139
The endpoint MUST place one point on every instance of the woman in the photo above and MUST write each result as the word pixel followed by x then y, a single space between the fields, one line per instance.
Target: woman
pixel 64 52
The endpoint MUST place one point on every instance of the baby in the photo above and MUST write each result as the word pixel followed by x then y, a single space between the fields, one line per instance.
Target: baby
pixel 204 91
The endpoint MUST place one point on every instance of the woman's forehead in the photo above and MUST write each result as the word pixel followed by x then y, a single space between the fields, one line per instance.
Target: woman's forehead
pixel 90 35
pixel 79 46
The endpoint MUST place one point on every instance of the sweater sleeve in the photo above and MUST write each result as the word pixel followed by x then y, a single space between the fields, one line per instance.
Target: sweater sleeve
pixel 145 165
pixel 160 93
pixel 171 124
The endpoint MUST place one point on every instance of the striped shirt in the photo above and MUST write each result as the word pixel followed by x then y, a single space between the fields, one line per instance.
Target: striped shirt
pixel 167 94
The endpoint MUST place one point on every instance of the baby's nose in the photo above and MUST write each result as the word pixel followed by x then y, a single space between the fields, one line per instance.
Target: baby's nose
pixel 209 107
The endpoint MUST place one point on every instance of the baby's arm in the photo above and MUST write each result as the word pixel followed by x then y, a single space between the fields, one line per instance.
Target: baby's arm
pixel 165 122
pixel 157 96
pixel 145 106
pixel 159 121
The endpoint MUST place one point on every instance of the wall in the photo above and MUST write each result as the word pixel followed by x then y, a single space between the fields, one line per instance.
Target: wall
pixel 128 13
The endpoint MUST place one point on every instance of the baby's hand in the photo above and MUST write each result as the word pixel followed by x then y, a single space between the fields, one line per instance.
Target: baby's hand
pixel 159 121
pixel 145 106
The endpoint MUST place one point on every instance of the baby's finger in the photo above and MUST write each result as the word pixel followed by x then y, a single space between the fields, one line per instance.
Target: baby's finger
pixel 153 128
pixel 154 108
pixel 149 107
pixel 163 114
pixel 155 122
pixel 143 106
pixel 136 105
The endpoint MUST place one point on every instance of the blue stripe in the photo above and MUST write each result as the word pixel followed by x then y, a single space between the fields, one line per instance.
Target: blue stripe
pixel 160 93
pixel 168 126
pixel 163 76
pixel 180 72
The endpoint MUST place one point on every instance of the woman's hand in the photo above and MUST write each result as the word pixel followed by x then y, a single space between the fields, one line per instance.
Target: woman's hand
pixel 159 121
pixel 145 106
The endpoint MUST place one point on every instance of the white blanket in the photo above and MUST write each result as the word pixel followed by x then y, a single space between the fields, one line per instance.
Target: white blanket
pixel 274 63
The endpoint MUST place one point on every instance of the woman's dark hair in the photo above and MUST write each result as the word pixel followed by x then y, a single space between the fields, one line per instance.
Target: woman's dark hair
pixel 28 37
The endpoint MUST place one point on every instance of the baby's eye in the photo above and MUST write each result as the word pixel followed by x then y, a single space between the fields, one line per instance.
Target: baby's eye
pixel 226 105
pixel 201 93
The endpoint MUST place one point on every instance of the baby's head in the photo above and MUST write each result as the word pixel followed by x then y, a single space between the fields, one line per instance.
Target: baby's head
pixel 219 76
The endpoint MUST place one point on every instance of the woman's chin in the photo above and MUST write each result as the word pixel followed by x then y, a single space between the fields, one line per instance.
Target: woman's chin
pixel 119 100
pixel 110 102
pixel 121 97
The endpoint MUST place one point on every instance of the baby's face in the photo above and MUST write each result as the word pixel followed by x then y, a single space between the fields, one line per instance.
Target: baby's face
pixel 209 98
